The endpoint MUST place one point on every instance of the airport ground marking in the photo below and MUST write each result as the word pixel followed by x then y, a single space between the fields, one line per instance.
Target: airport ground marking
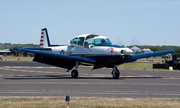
pixel 26 67
pixel 89 75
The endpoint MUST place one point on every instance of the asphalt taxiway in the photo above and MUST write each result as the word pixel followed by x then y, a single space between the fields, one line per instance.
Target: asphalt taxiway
pixel 35 79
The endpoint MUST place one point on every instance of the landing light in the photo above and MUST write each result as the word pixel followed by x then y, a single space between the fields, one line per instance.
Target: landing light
pixel 127 52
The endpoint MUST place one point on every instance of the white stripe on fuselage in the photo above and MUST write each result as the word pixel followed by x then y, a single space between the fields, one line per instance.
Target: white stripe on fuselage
pixel 95 50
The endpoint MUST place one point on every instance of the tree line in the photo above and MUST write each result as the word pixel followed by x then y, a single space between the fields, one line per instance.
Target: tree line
pixel 159 48
pixel 9 45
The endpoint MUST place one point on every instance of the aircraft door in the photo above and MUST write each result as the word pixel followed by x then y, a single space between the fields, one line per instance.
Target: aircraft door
pixel 76 46
pixel 79 47
pixel 72 46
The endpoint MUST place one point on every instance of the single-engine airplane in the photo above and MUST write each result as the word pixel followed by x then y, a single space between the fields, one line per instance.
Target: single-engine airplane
pixel 87 49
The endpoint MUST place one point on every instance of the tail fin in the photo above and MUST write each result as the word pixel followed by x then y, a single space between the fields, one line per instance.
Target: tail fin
pixel 44 41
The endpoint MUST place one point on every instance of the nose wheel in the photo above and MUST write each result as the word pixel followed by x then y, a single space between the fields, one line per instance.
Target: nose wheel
pixel 115 73
pixel 74 74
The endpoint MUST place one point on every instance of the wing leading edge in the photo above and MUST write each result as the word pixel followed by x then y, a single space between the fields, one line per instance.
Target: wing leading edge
pixel 145 55
pixel 82 59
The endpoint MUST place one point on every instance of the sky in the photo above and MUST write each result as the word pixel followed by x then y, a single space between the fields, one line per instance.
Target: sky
pixel 124 22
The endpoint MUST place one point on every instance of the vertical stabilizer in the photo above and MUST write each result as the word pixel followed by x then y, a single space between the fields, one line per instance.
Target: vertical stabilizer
pixel 44 41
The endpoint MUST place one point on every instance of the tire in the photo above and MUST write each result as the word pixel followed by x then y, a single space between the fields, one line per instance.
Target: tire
pixel 175 67
pixel 179 67
pixel 74 74
pixel 115 74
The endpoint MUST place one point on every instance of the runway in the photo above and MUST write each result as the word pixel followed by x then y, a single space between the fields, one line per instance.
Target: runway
pixel 35 79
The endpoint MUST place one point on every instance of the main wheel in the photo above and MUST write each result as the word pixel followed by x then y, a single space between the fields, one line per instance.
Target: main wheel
pixel 175 67
pixel 115 74
pixel 74 74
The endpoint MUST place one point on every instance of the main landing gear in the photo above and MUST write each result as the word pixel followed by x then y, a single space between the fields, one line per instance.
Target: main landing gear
pixel 74 73
pixel 115 72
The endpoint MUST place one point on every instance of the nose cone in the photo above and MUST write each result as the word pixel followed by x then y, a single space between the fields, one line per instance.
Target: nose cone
pixel 128 52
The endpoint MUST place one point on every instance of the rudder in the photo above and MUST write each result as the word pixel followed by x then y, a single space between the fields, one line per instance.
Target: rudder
pixel 44 41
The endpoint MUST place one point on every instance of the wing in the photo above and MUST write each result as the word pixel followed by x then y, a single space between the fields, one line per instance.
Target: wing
pixel 64 61
pixel 145 55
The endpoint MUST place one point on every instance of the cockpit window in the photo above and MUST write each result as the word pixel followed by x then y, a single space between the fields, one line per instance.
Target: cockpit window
pixel 101 41
pixel 88 40
pixel 96 41
pixel 80 41
pixel 74 41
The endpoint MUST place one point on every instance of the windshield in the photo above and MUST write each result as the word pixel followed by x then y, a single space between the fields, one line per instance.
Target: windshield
pixel 74 41
pixel 101 41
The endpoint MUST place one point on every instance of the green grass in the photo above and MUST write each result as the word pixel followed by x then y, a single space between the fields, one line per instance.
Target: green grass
pixel 35 102
pixel 143 64
pixel 150 60
pixel 136 66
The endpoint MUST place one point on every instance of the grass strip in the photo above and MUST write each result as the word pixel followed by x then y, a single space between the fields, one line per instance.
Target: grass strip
pixel 13 58
pixel 35 102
